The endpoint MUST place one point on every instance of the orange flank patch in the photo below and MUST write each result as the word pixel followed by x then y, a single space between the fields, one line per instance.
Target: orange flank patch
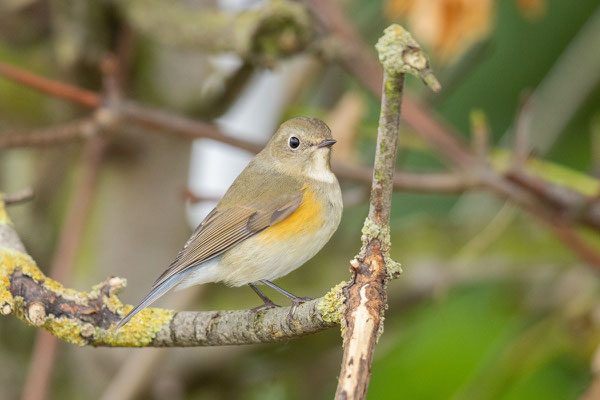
pixel 307 219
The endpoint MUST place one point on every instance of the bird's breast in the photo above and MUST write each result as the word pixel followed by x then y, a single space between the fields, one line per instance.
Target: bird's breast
pixel 288 244
pixel 308 218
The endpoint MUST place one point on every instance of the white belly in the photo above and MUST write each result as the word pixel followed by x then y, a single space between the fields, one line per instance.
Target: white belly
pixel 252 260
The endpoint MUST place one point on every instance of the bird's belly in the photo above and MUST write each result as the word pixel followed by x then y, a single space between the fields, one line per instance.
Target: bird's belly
pixel 257 258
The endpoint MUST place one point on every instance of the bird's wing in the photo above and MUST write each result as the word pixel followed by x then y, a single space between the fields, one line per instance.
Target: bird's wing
pixel 222 229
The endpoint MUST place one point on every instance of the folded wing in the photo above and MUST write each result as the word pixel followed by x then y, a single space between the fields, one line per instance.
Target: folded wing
pixel 223 229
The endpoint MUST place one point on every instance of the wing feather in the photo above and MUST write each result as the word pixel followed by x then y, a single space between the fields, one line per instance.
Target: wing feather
pixel 223 229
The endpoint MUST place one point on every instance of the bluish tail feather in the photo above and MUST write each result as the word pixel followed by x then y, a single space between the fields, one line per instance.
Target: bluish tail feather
pixel 151 297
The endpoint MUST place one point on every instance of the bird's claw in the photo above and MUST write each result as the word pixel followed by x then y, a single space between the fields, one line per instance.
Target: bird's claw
pixel 296 302
pixel 265 306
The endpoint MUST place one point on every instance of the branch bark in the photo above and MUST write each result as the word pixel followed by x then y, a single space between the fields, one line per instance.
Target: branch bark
pixel 365 297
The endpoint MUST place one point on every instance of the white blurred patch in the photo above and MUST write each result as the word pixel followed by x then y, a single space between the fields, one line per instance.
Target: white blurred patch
pixel 254 116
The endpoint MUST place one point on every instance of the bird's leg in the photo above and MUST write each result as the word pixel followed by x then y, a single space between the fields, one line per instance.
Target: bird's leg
pixel 268 303
pixel 295 299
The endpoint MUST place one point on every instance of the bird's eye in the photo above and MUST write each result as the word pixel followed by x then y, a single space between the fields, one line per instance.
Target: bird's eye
pixel 294 142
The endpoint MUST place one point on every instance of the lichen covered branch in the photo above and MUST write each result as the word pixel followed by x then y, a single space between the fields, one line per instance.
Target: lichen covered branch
pixel 366 298
pixel 261 35
pixel 88 318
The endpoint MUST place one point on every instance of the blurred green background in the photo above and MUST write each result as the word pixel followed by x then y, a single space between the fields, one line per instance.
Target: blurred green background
pixel 491 305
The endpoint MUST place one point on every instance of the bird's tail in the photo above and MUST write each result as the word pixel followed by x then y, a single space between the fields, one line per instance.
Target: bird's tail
pixel 151 297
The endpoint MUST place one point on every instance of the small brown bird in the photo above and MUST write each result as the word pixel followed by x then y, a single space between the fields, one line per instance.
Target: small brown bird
pixel 278 213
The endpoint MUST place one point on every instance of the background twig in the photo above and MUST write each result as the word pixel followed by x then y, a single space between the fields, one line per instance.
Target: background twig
pixel 45 347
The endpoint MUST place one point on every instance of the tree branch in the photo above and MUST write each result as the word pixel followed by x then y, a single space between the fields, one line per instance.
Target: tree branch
pixel 51 136
pixel 52 87
pixel 366 298
pixel 87 318
pixel 18 197
pixel 170 123
pixel 261 35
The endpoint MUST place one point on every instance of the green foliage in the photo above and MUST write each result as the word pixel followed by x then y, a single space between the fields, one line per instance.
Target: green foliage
pixel 463 347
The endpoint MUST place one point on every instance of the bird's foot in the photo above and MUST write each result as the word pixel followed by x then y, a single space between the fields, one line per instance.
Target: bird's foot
pixel 265 306
pixel 296 301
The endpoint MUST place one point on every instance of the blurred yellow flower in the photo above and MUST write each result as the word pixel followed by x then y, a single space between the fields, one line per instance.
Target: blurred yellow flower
pixel 449 27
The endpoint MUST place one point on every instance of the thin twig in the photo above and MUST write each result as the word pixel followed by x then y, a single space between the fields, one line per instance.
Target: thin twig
pixel 572 239
pixel 38 378
pixel 167 122
pixel 55 88
pixel 480 132
pixel 521 147
pixel 19 197
pixel 189 195
pixel 50 136
pixel 420 182
pixel 365 297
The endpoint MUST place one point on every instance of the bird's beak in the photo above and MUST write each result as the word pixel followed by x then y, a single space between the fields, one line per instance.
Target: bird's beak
pixel 327 143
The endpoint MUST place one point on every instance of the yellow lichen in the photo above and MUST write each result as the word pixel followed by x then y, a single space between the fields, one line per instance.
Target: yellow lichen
pixel 65 329
pixel 139 331
pixel 370 231
pixel 393 269
pixel 112 303
pixel 11 259
pixel 380 329
pixel 331 305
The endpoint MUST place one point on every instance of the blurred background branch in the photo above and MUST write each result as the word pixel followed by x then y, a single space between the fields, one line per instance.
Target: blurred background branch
pixel 18 197
pixel 543 198
pixel 271 31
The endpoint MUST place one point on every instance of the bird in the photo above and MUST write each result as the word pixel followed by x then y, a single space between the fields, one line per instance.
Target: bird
pixel 277 214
